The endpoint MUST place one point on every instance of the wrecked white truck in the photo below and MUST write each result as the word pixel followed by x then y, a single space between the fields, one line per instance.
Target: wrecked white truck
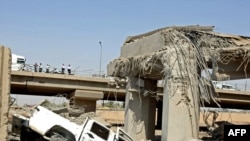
pixel 45 125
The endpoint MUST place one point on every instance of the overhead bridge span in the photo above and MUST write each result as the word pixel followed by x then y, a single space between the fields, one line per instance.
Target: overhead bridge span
pixel 95 88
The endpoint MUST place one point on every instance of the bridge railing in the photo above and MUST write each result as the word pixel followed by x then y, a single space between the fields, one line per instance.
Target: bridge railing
pixel 234 85
pixel 237 85
pixel 241 87
pixel 55 70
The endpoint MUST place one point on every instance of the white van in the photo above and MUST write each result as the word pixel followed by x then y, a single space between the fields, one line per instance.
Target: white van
pixel 223 85
pixel 17 63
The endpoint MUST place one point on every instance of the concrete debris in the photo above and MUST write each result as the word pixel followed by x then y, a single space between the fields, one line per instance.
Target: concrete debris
pixel 217 134
pixel 118 82
pixel 178 55
pixel 76 115
pixel 44 125
pixel 57 138
pixel 57 108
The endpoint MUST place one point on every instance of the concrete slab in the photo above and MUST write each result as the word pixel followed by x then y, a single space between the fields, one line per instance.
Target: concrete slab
pixel 88 95
pixel 86 99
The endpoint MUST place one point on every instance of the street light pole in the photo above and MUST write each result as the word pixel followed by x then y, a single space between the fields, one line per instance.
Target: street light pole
pixel 100 66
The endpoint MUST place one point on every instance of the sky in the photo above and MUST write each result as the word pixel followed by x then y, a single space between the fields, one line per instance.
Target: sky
pixel 57 32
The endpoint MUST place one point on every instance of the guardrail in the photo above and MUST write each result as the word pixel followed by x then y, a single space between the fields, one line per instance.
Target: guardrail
pixel 240 85
pixel 55 70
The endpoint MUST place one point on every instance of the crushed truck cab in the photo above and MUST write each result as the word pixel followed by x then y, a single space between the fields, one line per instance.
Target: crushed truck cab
pixel 51 126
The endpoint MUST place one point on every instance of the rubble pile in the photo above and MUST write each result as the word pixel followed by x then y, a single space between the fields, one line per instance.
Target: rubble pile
pixel 74 114
pixel 213 129
pixel 217 134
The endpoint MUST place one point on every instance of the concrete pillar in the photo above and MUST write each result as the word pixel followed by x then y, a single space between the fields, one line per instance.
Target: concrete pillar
pixel 5 60
pixel 86 99
pixel 180 98
pixel 140 109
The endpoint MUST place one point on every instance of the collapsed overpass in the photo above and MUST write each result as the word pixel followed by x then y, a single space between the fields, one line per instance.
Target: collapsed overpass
pixel 177 55
pixel 45 84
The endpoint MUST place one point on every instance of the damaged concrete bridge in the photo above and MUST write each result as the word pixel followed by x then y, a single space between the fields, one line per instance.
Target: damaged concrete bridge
pixel 81 91
pixel 176 55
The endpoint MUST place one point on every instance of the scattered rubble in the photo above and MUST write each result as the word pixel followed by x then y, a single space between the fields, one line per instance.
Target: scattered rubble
pixel 212 131
pixel 74 114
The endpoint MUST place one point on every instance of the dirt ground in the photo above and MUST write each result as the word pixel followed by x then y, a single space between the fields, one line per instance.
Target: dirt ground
pixel 116 117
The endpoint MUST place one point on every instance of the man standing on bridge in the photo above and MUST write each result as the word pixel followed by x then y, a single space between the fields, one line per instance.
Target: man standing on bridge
pixel 40 67
pixel 63 68
pixel 35 67
pixel 47 68
pixel 69 69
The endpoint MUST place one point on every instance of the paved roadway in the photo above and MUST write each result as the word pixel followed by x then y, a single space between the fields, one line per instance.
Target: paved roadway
pixel 53 84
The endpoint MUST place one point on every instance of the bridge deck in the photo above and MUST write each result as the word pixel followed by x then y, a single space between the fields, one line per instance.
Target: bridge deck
pixel 53 84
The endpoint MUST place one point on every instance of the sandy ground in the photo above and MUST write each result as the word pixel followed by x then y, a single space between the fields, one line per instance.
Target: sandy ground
pixel 116 117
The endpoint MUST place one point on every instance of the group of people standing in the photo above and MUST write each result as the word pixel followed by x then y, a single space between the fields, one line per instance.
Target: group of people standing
pixel 39 68
pixel 68 68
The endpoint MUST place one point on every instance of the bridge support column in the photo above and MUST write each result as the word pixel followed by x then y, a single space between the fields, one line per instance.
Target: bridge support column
pixel 5 60
pixel 86 99
pixel 140 110
pixel 181 99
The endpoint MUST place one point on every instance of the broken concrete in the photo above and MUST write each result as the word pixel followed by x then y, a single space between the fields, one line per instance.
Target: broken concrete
pixel 226 50
pixel 180 100
pixel 140 109
pixel 76 115
pixel 177 55
pixel 86 99
pixel 5 61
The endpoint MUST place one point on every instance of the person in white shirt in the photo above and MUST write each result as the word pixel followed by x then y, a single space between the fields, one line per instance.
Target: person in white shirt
pixel 63 68
pixel 69 69
pixel 47 68
pixel 40 67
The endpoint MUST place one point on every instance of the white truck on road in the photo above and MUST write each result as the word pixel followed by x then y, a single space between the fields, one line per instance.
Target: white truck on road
pixel 45 125
pixel 17 62
pixel 223 85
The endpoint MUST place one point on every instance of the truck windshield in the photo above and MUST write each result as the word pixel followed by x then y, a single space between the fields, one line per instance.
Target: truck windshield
pixel 100 131
pixel 20 61
pixel 227 87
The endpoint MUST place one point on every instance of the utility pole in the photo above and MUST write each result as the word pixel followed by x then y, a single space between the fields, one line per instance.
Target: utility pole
pixel 100 66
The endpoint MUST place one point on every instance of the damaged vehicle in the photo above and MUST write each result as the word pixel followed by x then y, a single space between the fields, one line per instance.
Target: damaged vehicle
pixel 45 125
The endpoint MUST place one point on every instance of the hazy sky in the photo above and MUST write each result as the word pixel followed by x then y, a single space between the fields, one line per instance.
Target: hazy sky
pixel 62 31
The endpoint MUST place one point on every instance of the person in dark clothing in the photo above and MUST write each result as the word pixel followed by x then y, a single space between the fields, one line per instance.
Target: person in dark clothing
pixel 63 68
pixel 35 67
